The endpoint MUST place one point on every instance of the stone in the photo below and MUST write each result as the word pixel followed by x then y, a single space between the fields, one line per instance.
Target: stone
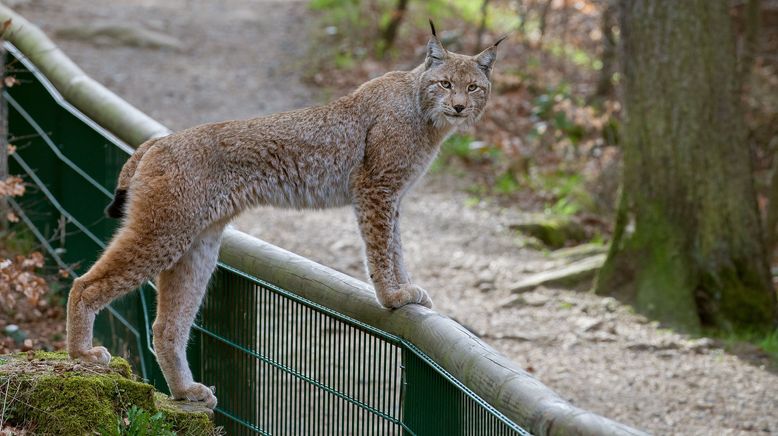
pixel 555 232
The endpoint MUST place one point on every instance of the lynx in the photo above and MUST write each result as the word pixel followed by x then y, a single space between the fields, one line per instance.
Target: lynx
pixel 177 193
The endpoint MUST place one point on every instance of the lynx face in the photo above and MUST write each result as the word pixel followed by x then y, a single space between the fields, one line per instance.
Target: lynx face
pixel 454 87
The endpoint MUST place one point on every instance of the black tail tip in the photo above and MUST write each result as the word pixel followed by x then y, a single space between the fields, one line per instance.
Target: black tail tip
pixel 116 208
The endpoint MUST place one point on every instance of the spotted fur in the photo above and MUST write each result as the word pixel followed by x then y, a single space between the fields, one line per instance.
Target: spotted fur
pixel 177 193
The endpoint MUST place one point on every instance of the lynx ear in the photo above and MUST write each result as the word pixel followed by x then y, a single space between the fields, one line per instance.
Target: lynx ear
pixel 436 53
pixel 486 58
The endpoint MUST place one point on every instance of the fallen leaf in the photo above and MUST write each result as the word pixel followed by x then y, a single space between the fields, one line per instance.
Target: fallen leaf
pixel 10 81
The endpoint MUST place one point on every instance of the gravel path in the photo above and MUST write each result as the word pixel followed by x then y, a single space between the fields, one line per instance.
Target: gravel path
pixel 245 59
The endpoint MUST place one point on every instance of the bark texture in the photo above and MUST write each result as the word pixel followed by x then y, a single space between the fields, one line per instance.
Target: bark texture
pixel 688 247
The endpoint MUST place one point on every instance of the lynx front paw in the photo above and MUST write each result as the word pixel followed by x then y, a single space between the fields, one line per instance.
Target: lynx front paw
pixel 95 354
pixel 405 294
pixel 197 392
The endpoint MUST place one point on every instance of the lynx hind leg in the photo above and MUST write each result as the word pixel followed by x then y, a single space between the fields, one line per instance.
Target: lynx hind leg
pixel 181 290
pixel 135 255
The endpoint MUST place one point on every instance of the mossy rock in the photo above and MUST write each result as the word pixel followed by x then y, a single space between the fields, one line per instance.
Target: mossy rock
pixel 555 232
pixel 49 394
pixel 187 418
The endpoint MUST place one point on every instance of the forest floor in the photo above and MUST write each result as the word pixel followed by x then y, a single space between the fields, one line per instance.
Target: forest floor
pixel 247 59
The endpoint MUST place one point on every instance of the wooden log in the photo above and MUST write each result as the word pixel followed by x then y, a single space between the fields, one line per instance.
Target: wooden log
pixel 492 376
pixel 576 274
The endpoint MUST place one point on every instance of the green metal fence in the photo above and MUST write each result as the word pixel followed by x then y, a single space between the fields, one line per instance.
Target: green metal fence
pixel 281 364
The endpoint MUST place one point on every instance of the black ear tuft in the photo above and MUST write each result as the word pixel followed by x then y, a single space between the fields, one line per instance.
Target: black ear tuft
pixel 502 38
pixel 436 53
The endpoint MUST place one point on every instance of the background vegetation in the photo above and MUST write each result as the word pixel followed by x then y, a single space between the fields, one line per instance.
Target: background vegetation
pixel 554 138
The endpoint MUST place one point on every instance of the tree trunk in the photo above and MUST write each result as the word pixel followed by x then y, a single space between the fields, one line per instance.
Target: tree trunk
pixel 751 38
pixel 482 26
pixel 607 22
pixel 688 247
pixel 3 140
pixel 389 34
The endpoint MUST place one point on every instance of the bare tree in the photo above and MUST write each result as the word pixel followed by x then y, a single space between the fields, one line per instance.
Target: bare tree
pixel 389 33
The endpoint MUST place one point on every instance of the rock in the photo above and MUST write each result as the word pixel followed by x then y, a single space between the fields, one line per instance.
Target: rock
pixel 587 324
pixel 554 232
pixel 14 332
pixel 536 300
pixel 120 34
pixel 56 395
pixel 512 301
pixel 485 276
pixel 701 345
pixel 579 273
pixel 485 281
pixel 653 346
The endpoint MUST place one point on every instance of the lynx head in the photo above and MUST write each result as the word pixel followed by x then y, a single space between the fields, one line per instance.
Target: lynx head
pixel 455 87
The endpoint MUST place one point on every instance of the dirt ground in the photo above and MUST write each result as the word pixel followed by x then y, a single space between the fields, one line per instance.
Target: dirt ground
pixel 244 58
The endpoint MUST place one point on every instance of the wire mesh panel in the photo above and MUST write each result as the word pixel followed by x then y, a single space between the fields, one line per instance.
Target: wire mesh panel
pixel 313 372
pixel 281 365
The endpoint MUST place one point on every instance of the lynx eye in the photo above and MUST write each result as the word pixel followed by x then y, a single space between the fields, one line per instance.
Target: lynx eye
pixel 445 84
pixel 472 87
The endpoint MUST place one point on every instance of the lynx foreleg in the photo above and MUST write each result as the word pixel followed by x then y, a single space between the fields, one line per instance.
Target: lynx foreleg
pixel 181 290
pixel 397 252
pixel 376 209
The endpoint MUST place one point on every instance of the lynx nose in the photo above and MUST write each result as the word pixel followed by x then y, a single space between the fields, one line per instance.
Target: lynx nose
pixel 459 108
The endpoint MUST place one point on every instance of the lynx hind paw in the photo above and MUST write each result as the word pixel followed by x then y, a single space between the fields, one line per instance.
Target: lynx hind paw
pixel 198 392
pixel 405 294
pixel 95 355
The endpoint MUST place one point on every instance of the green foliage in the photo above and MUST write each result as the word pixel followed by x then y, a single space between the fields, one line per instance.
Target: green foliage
pixel 466 149
pixel 769 344
pixel 734 341
pixel 18 239
pixel 506 183
pixel 573 54
pixel 140 422
pixel 550 119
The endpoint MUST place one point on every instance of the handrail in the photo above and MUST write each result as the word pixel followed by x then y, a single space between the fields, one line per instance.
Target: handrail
pixel 492 376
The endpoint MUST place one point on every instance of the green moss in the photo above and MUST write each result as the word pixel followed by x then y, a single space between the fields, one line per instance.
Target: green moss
pixel 645 267
pixel 55 395
pixel 555 232
pixel 186 418
pixel 737 302
pixel 74 402
pixel 121 366
pixel 73 405
pixel 47 355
